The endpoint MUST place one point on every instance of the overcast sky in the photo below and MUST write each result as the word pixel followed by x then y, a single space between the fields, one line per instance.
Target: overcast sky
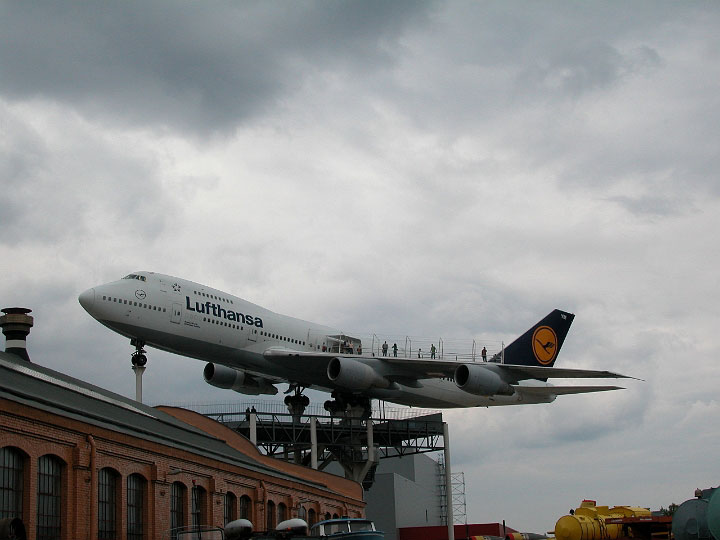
pixel 451 169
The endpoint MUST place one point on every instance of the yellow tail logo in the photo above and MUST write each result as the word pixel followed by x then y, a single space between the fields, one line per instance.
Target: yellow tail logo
pixel 544 344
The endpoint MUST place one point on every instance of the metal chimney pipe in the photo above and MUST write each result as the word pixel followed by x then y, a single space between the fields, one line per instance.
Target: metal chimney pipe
pixel 16 324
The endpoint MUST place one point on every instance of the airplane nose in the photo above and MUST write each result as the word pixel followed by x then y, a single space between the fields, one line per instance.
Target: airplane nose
pixel 87 299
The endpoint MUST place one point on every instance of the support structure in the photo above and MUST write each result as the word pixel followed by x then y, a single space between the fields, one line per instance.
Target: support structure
pixel 448 484
pixel 356 444
pixel 139 370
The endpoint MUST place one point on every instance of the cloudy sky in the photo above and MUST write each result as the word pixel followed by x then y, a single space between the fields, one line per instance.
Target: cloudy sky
pixel 451 169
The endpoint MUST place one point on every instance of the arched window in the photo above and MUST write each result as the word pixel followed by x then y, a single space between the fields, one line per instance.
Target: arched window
pixel 198 505
pixel 282 512
pixel 230 513
pixel 177 507
pixel 108 481
pixel 311 517
pixel 245 507
pixel 327 515
pixel 49 491
pixel 335 516
pixel 12 482
pixel 270 514
pixel 135 506
pixel 302 513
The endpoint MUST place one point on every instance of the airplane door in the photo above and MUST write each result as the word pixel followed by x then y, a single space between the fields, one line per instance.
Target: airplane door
pixel 176 313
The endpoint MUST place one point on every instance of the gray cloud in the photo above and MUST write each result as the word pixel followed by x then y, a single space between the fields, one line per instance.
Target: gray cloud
pixel 204 68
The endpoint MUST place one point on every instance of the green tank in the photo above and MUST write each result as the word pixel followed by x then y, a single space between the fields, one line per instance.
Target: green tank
pixel 713 514
pixel 691 519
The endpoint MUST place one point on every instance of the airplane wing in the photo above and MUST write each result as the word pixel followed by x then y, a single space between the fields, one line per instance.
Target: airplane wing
pixel 407 370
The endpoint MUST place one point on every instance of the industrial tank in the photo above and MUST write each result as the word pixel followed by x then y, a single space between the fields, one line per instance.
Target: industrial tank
pixel 692 519
pixel 588 522
pixel 713 514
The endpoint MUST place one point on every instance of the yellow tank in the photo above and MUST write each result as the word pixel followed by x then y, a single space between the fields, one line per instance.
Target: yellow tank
pixel 588 522
pixel 581 527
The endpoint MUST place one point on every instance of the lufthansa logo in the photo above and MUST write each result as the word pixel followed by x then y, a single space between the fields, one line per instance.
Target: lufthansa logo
pixel 140 294
pixel 544 344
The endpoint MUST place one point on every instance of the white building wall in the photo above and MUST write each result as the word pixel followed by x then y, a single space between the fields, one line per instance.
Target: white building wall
pixel 405 494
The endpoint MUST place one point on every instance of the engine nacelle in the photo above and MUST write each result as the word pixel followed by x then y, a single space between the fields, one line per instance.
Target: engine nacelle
pixel 354 375
pixel 479 380
pixel 236 380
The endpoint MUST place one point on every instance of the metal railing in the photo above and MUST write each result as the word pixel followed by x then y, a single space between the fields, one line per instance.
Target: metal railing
pixel 461 350
pixel 271 407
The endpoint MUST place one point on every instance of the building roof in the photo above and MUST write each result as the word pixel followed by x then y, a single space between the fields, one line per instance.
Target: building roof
pixel 48 390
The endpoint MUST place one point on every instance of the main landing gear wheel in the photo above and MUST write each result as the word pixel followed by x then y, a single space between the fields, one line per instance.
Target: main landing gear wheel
pixel 297 402
pixel 138 358
pixel 350 405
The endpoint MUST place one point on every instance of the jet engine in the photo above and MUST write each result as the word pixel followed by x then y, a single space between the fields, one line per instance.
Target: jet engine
pixel 354 375
pixel 237 380
pixel 481 381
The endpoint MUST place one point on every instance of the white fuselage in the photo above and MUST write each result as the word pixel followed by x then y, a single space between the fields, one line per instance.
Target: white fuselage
pixel 197 321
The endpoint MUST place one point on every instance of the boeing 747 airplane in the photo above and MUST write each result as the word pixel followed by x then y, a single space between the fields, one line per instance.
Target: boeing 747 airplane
pixel 250 349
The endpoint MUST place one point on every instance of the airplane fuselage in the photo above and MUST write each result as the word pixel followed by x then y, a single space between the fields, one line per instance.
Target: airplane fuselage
pixel 197 321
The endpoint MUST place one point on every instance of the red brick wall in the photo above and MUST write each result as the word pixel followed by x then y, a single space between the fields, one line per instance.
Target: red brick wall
pixel 37 433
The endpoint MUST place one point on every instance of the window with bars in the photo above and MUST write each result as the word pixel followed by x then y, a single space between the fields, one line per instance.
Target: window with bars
pixel 197 509
pixel 135 505
pixel 12 479
pixel 49 497
pixel 311 517
pixel 107 504
pixel 245 505
pixel 177 507
pixel 230 509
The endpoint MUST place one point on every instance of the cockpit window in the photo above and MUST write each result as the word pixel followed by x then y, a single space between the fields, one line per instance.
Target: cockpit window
pixel 135 276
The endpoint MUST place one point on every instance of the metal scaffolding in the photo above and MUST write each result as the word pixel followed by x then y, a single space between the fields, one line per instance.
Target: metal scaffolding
pixel 457 483
pixel 317 440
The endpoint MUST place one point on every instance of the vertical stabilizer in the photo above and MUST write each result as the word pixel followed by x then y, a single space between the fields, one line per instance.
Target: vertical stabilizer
pixel 540 345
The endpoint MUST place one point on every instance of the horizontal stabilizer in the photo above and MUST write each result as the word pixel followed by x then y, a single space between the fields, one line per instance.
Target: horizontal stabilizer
pixel 562 390
pixel 539 372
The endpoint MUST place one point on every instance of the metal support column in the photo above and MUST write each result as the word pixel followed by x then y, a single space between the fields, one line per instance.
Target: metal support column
pixel 139 370
pixel 313 443
pixel 253 428
pixel 448 483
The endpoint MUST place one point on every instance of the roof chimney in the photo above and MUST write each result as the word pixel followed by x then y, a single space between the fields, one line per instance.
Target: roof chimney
pixel 16 324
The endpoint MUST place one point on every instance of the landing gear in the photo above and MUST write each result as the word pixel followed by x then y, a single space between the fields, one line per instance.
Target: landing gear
pixel 138 358
pixel 349 405
pixel 297 402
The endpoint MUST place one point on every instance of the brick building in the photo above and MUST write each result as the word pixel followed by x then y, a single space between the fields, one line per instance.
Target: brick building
pixel 80 462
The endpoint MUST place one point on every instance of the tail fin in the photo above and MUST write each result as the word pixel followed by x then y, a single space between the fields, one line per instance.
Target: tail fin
pixel 540 345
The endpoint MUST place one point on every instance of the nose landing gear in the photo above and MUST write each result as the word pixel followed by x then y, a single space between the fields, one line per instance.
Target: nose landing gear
pixel 138 358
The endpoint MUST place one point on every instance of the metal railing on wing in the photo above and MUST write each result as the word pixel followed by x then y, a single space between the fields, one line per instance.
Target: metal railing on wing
pixel 406 346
